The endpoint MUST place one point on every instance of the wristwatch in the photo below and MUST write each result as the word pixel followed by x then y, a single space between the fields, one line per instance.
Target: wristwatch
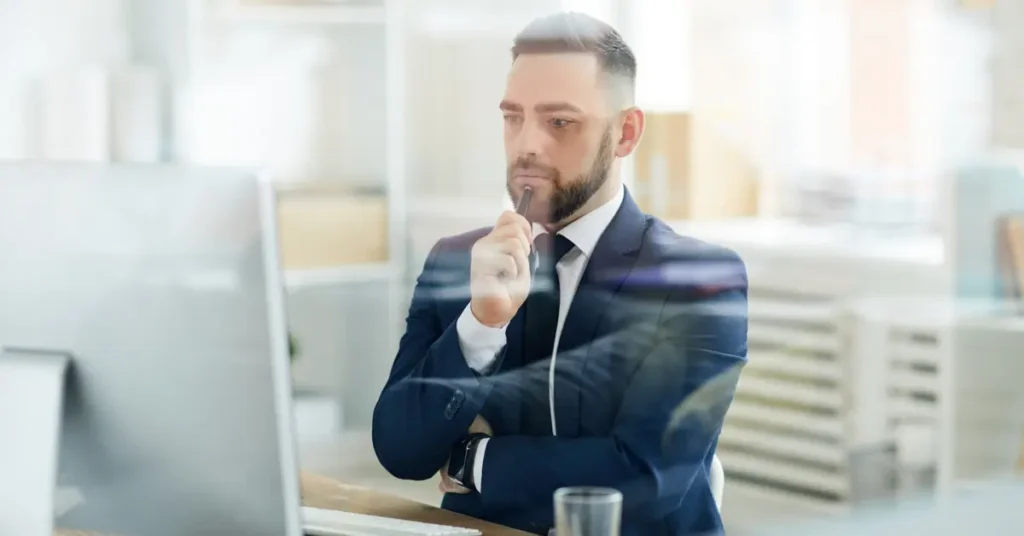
pixel 462 460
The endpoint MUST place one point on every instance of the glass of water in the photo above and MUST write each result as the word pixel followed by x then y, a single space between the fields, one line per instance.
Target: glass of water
pixel 586 511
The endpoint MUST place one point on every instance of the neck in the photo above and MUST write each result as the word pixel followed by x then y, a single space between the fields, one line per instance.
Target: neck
pixel 607 192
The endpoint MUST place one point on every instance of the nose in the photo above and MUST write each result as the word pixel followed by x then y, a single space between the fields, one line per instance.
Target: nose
pixel 531 140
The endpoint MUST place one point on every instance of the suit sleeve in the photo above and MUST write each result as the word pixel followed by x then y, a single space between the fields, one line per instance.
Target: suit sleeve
pixel 432 395
pixel 668 420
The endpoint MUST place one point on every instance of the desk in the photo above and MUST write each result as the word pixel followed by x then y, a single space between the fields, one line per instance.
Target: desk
pixel 323 492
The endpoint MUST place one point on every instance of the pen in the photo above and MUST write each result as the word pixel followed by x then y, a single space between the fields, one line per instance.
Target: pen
pixel 521 207
pixel 524 201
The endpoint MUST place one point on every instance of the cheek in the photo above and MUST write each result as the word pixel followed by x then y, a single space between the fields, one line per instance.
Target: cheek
pixel 576 156
pixel 509 138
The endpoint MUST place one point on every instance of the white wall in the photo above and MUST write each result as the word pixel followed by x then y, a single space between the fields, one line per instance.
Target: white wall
pixel 40 35
pixel 49 38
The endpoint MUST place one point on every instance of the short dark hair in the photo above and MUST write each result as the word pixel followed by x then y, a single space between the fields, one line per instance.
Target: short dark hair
pixel 579 32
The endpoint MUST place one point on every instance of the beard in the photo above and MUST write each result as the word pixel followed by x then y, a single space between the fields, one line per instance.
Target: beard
pixel 567 198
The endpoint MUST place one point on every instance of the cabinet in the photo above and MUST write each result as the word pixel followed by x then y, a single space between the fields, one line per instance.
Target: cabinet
pixel 829 380
pixel 865 379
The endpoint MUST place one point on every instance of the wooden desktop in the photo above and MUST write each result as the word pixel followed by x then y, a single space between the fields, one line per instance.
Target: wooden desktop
pixel 322 492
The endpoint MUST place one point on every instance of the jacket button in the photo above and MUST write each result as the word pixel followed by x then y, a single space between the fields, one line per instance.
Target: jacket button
pixel 454 404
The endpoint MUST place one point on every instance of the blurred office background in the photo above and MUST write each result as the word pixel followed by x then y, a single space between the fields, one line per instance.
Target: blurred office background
pixel 857 153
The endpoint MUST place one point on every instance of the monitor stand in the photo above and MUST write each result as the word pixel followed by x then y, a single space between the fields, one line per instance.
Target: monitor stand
pixel 31 407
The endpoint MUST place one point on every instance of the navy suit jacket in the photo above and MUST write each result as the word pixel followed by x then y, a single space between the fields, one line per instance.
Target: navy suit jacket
pixel 646 368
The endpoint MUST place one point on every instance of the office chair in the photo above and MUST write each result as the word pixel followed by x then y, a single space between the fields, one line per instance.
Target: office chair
pixel 717 481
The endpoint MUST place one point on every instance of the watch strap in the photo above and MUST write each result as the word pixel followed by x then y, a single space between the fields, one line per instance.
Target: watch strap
pixel 464 453
pixel 470 467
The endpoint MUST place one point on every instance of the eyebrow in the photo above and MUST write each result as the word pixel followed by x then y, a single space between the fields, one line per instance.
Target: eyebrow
pixel 510 106
pixel 544 107
pixel 548 107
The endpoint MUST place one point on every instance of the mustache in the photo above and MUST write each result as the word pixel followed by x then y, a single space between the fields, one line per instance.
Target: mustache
pixel 531 165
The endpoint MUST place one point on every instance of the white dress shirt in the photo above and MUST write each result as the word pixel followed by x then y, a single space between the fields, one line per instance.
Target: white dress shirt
pixel 481 344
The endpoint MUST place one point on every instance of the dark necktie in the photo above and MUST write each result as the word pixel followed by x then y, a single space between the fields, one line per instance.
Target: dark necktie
pixel 541 323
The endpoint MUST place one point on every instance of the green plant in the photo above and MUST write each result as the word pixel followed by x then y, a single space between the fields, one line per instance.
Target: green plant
pixel 293 346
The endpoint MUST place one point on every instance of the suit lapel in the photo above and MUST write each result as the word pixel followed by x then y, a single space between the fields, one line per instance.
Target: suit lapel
pixel 609 266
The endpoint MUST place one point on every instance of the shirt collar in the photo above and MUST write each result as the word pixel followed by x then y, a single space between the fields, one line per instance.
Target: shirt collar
pixel 586 231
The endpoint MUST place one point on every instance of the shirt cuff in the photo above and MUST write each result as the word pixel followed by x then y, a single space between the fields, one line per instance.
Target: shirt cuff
pixel 480 344
pixel 478 465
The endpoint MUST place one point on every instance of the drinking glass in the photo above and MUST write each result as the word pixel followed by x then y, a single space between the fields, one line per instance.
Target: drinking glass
pixel 587 511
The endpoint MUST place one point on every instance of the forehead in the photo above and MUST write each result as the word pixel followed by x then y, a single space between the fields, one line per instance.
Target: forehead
pixel 561 77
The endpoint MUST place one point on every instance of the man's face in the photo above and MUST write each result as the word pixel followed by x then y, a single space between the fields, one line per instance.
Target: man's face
pixel 558 133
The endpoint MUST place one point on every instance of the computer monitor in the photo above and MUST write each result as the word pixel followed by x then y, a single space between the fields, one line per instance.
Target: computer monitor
pixel 142 324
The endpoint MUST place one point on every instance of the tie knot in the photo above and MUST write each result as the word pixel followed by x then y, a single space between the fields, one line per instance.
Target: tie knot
pixel 552 248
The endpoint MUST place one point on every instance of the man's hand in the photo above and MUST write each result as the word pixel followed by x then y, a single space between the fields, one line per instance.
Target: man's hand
pixel 446 485
pixel 481 426
pixel 500 271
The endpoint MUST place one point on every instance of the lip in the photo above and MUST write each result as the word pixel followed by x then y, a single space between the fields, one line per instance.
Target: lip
pixel 526 179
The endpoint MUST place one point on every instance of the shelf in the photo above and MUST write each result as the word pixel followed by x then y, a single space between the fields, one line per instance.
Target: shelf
pixel 358 186
pixel 299 13
pixel 788 392
pixel 356 273
pixel 780 506
pixel 786 472
pixel 781 444
pixel 794 337
pixel 795 419
pixel 796 366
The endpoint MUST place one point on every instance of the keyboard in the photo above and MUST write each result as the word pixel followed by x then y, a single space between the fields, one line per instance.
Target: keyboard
pixel 320 522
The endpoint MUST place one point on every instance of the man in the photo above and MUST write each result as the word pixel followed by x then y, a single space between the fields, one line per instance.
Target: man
pixel 583 344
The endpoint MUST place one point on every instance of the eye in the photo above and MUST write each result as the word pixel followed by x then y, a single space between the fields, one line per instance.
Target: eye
pixel 511 118
pixel 560 123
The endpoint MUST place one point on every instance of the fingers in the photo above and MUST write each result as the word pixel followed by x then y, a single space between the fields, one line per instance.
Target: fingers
pixel 507 245
pixel 453 489
pixel 445 485
pixel 503 257
pixel 507 266
pixel 480 426
pixel 522 273
pixel 515 221
pixel 509 216
pixel 508 255
pixel 512 233
pixel 514 248
pixel 512 244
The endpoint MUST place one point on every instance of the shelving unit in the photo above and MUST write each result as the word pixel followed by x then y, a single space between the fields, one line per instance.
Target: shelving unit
pixel 787 429
pixel 344 275
pixel 326 81
pixel 816 405
pixel 214 23
pixel 865 378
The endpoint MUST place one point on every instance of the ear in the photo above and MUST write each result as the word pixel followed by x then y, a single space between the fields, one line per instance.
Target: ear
pixel 632 131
